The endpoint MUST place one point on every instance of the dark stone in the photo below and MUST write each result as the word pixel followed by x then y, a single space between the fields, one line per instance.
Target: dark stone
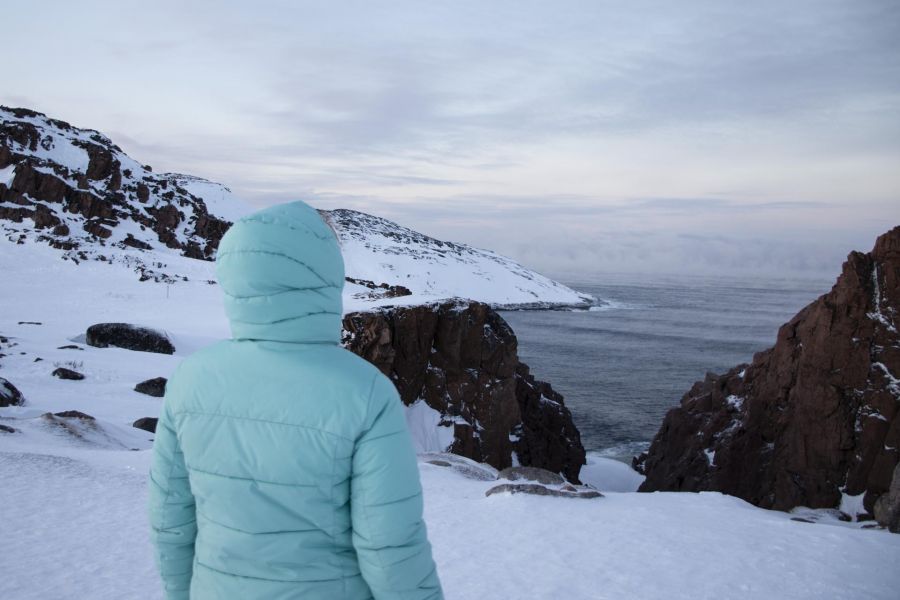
pixel 64 373
pixel 461 359
pixel 540 490
pixel 146 423
pixel 9 394
pixel 129 337
pixel 152 387
pixel 810 419
pixel 6 428
pixel 70 347
pixel 30 323
pixel 73 414
pixel 532 474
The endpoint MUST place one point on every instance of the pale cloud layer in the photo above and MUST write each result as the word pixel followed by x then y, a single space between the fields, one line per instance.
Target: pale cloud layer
pixel 757 137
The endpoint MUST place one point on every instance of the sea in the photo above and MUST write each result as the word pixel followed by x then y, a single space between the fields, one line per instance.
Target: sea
pixel 623 364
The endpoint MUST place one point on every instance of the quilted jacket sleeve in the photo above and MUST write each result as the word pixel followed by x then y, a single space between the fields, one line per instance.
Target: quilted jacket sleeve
pixel 172 518
pixel 386 504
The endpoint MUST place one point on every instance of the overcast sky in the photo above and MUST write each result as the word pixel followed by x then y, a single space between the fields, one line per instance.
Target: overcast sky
pixel 755 137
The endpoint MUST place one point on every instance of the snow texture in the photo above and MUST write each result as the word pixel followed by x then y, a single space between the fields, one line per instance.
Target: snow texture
pixel 382 251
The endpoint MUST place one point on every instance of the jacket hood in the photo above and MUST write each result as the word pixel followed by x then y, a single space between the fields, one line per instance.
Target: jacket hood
pixel 282 275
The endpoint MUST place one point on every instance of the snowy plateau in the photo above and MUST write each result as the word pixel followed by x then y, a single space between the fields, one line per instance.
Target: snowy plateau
pixel 73 491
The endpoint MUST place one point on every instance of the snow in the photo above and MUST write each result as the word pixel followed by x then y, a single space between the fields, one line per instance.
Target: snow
pixel 424 424
pixel 382 251
pixel 609 475
pixel 73 523
pixel 7 175
pixel 735 402
pixel 220 201
pixel 852 505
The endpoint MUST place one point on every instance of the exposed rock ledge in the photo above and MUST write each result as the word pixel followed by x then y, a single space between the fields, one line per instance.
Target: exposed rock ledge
pixel 813 421
pixel 461 359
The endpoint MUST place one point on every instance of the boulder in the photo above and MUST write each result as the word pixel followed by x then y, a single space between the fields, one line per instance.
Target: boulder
pixel 152 387
pixel 809 421
pixel 146 423
pixel 9 394
pixel 64 373
pixel 887 507
pixel 6 428
pixel 129 337
pixel 541 490
pixel 532 474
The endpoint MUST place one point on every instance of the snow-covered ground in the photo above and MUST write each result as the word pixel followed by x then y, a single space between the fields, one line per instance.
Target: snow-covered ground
pixel 382 251
pixel 72 495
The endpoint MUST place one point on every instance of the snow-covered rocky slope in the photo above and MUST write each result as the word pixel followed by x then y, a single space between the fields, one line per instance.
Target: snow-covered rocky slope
pixel 77 191
pixel 383 252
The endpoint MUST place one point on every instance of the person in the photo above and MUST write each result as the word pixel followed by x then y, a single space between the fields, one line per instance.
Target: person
pixel 282 465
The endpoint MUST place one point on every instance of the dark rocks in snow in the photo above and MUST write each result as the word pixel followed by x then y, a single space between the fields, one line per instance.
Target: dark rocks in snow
pixel 7 428
pixel 152 387
pixel 537 489
pixel 30 323
pixel 887 507
pixel 532 474
pixel 146 423
pixel 461 359
pixel 64 373
pixel 70 347
pixel 812 419
pixel 71 414
pixel 129 337
pixel 9 394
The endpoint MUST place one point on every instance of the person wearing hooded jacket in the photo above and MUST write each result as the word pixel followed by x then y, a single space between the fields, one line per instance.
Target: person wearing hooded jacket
pixel 282 464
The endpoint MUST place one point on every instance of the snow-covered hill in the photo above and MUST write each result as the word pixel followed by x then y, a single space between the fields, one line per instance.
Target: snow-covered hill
pixel 77 191
pixel 381 251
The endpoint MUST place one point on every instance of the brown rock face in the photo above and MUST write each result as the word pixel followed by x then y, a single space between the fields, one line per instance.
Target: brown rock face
pixel 461 359
pixel 813 418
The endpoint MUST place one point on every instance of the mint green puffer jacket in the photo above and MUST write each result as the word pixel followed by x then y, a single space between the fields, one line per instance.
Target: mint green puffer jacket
pixel 282 464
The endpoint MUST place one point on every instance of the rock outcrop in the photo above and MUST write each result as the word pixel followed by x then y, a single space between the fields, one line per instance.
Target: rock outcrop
pixel 129 337
pixel 810 421
pixel 461 359
pixel 74 187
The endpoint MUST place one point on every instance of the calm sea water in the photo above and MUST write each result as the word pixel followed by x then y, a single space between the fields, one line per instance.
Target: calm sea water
pixel 622 367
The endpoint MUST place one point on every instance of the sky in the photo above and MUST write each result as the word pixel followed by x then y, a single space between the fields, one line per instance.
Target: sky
pixel 754 139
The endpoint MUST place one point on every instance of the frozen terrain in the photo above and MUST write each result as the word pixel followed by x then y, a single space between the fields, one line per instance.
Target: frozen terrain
pixel 73 523
pixel 382 251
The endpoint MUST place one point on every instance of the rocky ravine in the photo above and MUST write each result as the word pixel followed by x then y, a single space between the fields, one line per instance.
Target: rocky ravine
pixel 461 359
pixel 814 421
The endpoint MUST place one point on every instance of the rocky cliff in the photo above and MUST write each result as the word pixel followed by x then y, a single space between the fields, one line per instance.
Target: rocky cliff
pixel 813 421
pixel 77 191
pixel 460 358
